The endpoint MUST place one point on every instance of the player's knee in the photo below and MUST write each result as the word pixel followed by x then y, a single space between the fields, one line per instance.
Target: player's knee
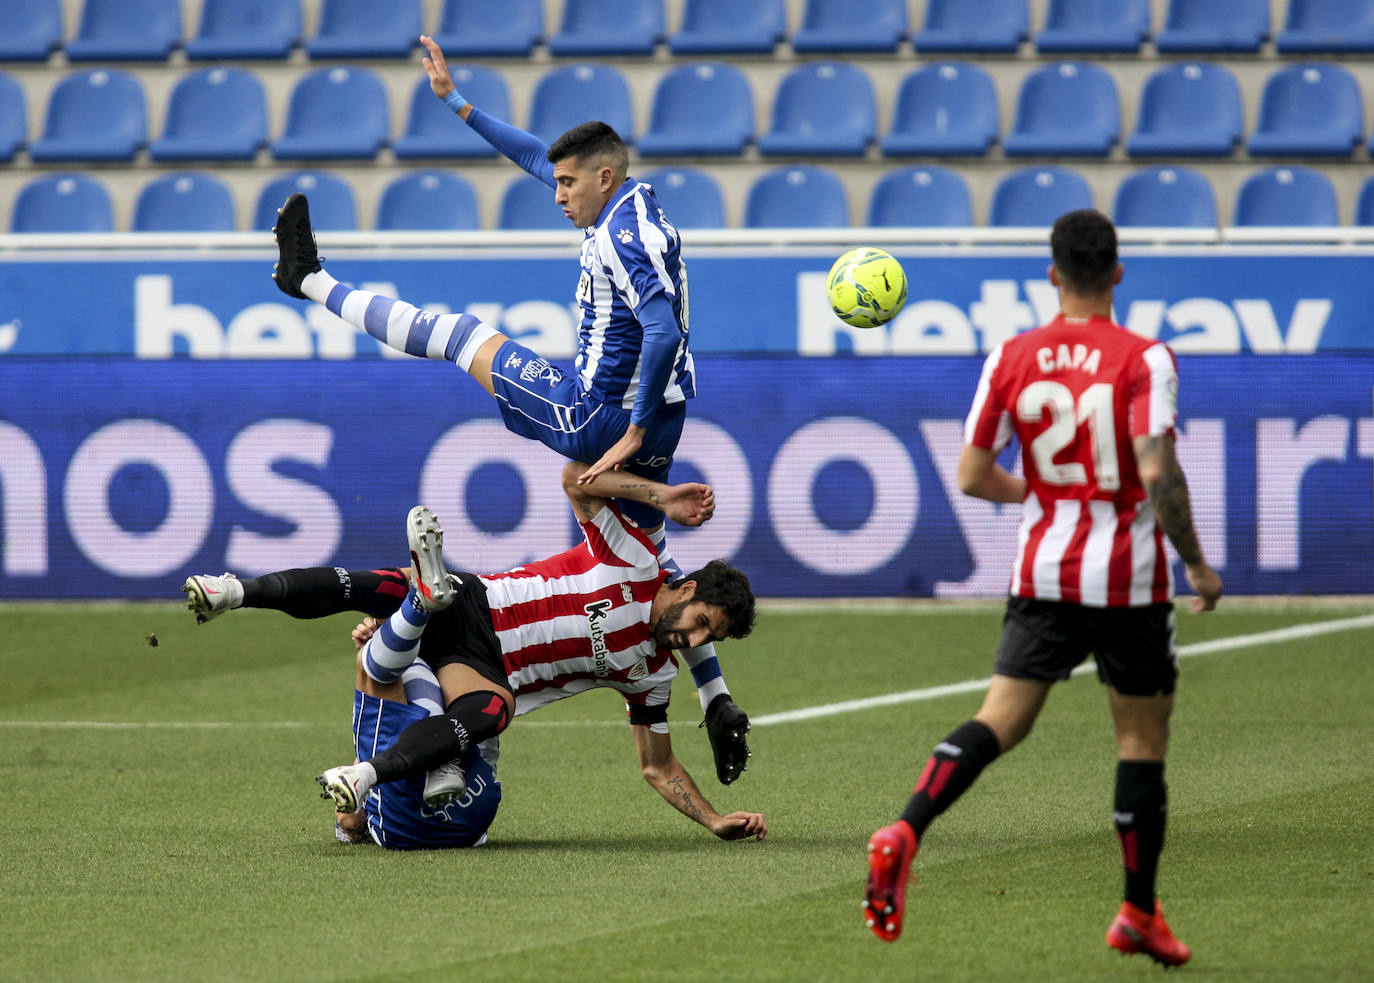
pixel 484 713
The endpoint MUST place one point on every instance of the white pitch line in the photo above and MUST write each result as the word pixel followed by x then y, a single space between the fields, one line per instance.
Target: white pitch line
pixel 975 685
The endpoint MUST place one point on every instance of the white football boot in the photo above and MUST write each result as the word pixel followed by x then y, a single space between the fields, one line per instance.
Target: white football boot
pixel 426 538
pixel 347 785
pixel 445 784
pixel 208 597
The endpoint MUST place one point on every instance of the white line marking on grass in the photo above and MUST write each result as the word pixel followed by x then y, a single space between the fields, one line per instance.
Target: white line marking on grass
pixel 975 685
pixel 252 724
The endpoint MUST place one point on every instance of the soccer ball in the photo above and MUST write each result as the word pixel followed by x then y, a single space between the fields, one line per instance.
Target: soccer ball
pixel 866 287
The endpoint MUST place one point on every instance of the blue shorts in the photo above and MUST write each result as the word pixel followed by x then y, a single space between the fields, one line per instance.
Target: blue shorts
pixel 539 401
pixel 397 816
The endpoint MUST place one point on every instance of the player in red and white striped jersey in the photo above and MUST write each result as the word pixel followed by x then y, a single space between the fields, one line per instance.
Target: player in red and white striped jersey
pixel 1094 409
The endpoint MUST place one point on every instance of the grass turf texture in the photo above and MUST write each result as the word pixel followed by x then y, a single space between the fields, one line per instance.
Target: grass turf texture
pixel 183 838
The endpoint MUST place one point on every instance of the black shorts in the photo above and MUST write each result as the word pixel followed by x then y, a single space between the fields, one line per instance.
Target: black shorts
pixel 1134 647
pixel 462 633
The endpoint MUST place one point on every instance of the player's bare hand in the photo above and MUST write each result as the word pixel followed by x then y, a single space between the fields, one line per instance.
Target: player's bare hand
pixel 615 458
pixel 436 68
pixel 1206 585
pixel 690 504
pixel 741 826
pixel 365 630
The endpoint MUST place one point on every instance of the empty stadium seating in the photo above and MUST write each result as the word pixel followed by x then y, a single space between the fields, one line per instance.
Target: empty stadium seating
pixel 574 94
pixel 702 109
pixel 1287 196
pixel 338 113
pixel 185 202
pixel 490 28
pixel 920 196
pixel 718 27
pixel 437 200
pixel 690 197
pixel 97 114
pixel 1364 203
pixel 1189 109
pixel 126 30
pixel 821 109
pixel 331 200
pixel 214 114
pixel 803 196
pixel 947 108
pixel 1309 110
pixel 366 29
pixel 62 203
pixel 608 27
pixel 1094 25
pixel 246 29
pixel 1327 27
pixel 528 204
pixel 1069 108
pixel 1170 196
pixel 433 130
pixel 14 120
pixel 1035 196
pixel 1213 26
pixel 829 26
pixel 973 26
pixel 33 29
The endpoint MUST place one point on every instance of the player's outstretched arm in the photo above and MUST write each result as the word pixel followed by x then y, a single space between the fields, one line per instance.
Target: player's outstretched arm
pixel 688 504
pixel 1167 487
pixel 670 779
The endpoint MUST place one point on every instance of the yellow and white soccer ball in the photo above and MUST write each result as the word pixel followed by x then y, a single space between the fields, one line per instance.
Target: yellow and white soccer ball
pixel 866 287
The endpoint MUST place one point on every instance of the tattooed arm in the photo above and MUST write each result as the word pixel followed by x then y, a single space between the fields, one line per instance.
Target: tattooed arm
pixel 689 504
pixel 1168 490
pixel 670 779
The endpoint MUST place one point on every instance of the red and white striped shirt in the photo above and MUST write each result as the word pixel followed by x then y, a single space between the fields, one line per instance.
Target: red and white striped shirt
pixel 580 619
pixel 1075 393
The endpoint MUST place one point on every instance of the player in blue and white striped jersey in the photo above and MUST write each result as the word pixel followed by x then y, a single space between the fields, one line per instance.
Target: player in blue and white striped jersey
pixel 625 404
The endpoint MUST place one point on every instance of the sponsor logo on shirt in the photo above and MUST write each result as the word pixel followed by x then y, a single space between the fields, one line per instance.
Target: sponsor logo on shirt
pixel 596 615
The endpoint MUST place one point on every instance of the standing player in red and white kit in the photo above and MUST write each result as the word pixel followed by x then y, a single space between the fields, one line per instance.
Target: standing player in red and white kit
pixel 1094 409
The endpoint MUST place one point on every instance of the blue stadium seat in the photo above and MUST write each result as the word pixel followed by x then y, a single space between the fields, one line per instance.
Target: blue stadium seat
pixel 821 109
pixel 804 196
pixel 678 126
pixel 14 119
pixel 1172 197
pixel 184 202
pixel 1364 204
pixel 1188 109
pixel 528 204
pixel 608 27
pixel 95 114
pixel 330 197
pixel 62 203
pixel 718 27
pixel 575 94
pixel 1287 196
pixel 1214 26
pixel 920 196
pixel 366 29
pixel 335 113
pixel 214 114
pixel 428 200
pixel 690 197
pixel 1327 26
pixel 33 29
pixel 126 30
pixel 489 28
pixel 975 26
pixel 945 108
pixel 1094 25
pixel 433 130
pixel 1036 196
pixel 1066 108
pixel 830 26
pixel 246 29
pixel 1309 110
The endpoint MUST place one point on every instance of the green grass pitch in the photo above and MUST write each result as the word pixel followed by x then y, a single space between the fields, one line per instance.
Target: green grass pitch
pixel 162 822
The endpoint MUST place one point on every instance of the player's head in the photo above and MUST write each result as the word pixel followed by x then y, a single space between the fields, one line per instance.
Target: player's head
pixel 714 603
pixel 1083 244
pixel 589 163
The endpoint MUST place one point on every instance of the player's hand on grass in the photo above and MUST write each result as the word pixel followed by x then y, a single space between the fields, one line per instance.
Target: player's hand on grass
pixel 690 504
pixel 726 725
pixel 436 68
pixel 1206 583
pixel 365 631
pixel 741 826
pixel 615 458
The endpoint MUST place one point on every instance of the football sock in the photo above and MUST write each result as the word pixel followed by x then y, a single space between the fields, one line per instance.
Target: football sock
pixel 1140 808
pixel 952 768
pixel 425 744
pixel 400 325
pixel 394 646
pixel 316 592
pixel 422 688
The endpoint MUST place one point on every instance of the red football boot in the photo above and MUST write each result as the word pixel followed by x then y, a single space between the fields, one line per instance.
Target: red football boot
pixel 890 852
pixel 1135 930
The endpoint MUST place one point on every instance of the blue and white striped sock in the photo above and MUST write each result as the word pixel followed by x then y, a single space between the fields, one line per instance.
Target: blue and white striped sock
pixel 706 671
pixel 401 325
pixel 396 644
pixel 422 688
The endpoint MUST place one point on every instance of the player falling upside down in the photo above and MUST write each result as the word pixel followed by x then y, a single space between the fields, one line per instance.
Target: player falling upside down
pixel 1094 408
pixel 625 404
pixel 602 614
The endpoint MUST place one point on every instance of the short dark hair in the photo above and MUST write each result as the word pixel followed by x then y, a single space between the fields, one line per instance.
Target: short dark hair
pixel 1084 247
pixel 588 142
pixel 728 588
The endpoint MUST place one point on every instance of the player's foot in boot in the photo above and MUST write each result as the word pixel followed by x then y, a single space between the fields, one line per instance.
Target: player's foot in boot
pixel 297 256
pixel 890 852
pixel 445 784
pixel 426 539
pixel 1136 930
pixel 208 597
pixel 347 785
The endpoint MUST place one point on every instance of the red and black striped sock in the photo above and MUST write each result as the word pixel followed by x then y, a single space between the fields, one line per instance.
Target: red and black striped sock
pixel 1140 809
pixel 956 763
